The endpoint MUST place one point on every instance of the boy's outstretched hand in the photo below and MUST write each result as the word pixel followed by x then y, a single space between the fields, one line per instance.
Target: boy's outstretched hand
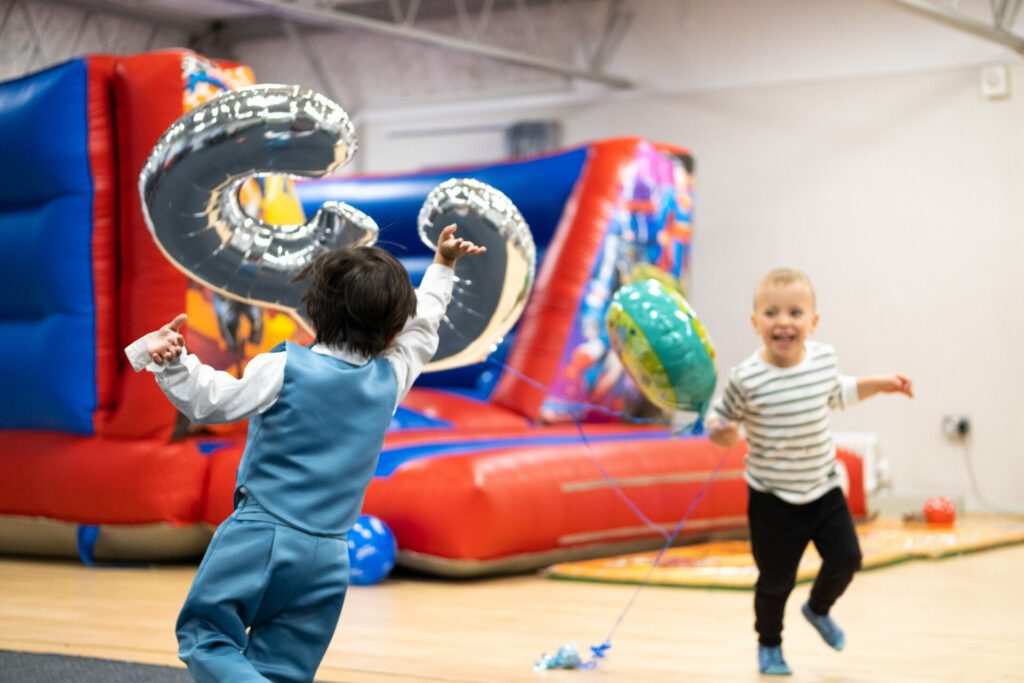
pixel 884 384
pixel 898 382
pixel 166 343
pixel 451 248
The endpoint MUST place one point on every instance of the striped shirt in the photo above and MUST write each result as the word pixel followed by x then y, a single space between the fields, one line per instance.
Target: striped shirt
pixel 784 412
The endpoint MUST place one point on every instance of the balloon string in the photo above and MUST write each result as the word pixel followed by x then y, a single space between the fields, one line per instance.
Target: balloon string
pixel 598 652
pixel 574 403
pixel 615 485
pixel 671 539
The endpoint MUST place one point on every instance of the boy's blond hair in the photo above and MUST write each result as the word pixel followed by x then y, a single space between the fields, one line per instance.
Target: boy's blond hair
pixel 784 276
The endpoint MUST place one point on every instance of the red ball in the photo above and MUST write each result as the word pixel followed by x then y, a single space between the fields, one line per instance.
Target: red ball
pixel 940 511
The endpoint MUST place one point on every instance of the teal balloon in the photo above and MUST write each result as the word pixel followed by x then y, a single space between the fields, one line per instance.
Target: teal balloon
pixel 663 346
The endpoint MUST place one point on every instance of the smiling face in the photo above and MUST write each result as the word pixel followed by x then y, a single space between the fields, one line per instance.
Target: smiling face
pixel 784 317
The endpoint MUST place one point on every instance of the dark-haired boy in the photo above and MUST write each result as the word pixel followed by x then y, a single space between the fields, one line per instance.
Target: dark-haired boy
pixel 266 599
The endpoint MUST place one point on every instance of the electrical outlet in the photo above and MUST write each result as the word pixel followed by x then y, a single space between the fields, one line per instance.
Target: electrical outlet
pixel 994 82
pixel 956 426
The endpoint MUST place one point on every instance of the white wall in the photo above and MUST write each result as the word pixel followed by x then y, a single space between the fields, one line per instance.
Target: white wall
pixel 900 195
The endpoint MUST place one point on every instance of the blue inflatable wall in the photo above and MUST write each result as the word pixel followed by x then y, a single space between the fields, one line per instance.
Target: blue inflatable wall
pixel 47 330
pixel 539 188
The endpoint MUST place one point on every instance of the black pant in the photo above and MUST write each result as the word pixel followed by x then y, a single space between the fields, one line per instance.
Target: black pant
pixel 779 533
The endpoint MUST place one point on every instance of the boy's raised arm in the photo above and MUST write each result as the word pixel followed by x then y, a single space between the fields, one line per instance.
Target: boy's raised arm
pixel 203 394
pixel 416 344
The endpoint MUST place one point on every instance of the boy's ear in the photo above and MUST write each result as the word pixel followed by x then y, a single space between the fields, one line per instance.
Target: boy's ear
pixel 814 321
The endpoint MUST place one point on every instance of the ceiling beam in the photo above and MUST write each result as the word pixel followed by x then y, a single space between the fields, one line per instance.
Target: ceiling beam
pixel 994 32
pixel 617 20
pixel 310 14
pixel 299 43
pixel 260 27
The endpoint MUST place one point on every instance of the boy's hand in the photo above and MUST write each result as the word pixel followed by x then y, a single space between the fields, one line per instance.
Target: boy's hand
pixel 896 382
pixel 451 248
pixel 166 343
pixel 722 433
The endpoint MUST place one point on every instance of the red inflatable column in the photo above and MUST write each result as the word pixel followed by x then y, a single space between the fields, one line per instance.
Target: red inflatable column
pixel 555 302
pixel 148 94
pixel 103 169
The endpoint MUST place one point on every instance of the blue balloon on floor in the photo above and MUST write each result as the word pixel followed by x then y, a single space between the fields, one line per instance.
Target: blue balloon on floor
pixel 371 551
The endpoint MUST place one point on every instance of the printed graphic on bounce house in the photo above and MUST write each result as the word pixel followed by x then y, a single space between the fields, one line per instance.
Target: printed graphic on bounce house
pixel 648 236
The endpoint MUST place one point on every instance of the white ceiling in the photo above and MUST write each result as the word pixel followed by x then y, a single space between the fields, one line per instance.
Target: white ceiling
pixel 382 55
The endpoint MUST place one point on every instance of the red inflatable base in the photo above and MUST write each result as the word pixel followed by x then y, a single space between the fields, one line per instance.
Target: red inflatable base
pixel 96 480
pixel 518 499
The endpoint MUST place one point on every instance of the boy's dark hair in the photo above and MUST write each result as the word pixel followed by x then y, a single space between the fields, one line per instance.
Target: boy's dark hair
pixel 358 297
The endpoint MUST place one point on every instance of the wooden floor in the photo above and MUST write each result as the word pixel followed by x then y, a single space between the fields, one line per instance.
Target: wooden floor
pixel 959 619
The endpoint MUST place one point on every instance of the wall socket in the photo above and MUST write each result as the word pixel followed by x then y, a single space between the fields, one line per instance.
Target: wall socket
pixel 956 426
pixel 994 82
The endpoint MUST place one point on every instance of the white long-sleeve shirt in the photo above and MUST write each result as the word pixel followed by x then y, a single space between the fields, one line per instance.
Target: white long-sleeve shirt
pixel 209 396
pixel 784 412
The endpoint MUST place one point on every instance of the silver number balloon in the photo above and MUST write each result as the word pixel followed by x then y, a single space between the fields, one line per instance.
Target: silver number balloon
pixel 190 185
pixel 490 289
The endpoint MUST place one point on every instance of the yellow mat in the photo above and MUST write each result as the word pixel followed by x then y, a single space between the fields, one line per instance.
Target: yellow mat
pixel 729 564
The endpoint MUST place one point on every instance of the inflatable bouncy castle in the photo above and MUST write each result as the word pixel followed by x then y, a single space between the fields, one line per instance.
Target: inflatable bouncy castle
pixel 543 453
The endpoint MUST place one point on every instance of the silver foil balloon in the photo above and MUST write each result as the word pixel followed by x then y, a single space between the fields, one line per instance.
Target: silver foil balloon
pixel 491 288
pixel 191 181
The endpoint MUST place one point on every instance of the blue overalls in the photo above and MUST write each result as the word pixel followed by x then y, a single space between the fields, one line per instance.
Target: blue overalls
pixel 266 599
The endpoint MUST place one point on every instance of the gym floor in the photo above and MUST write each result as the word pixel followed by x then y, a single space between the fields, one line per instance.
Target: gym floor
pixel 956 619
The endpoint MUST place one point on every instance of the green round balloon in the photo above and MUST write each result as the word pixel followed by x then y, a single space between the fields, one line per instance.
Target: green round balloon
pixel 663 346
